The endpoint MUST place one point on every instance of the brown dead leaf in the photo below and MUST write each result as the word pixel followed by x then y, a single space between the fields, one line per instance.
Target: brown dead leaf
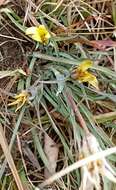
pixel 27 151
pixel 98 44
pixel 4 2
pixel 51 151
pixel 103 44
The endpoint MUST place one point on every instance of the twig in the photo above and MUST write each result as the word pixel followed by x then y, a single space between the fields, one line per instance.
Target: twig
pixel 77 112
pixel 77 165
pixel 9 159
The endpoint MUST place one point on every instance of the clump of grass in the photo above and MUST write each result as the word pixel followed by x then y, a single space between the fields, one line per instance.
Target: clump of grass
pixel 78 31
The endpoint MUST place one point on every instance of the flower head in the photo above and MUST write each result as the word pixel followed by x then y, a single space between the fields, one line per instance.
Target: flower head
pixel 80 73
pixel 38 33
pixel 91 172
pixel 20 100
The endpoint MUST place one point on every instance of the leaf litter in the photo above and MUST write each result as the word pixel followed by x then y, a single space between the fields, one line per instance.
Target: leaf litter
pixel 79 31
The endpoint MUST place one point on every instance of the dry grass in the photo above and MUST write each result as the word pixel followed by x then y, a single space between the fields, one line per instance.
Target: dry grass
pixel 58 105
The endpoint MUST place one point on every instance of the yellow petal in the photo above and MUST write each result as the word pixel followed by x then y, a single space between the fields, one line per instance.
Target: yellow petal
pixel 21 99
pixel 86 64
pixel 94 82
pixel 90 78
pixel 37 37
pixel 22 94
pixel 33 33
pixel 14 103
pixel 84 76
pixel 31 30
pixel 20 105
pixel 47 35
pixel 43 31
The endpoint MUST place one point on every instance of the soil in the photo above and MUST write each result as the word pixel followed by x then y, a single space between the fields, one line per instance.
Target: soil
pixel 13 49
pixel 11 52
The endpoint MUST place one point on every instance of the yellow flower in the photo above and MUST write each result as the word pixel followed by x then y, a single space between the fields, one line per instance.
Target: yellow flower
pixel 38 33
pixel 20 100
pixel 80 73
